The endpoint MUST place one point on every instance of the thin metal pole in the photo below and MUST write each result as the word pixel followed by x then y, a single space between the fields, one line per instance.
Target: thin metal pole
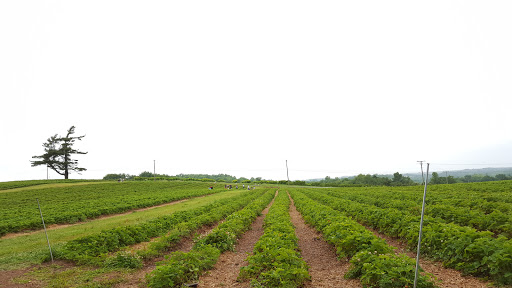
pixel 287 171
pixel 421 230
pixel 154 170
pixel 47 240
pixel 422 177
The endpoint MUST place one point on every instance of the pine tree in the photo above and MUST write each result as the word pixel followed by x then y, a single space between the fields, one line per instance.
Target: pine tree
pixel 58 151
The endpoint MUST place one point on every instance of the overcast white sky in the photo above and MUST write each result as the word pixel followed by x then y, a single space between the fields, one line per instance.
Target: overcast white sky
pixel 335 87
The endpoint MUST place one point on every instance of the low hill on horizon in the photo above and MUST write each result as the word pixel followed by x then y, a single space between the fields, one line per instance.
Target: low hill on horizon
pixel 490 171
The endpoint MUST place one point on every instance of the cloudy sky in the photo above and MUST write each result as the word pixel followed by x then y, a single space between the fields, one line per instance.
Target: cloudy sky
pixel 335 87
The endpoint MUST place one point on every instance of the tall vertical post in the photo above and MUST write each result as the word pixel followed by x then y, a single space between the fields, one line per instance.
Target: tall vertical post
pixel 44 226
pixel 287 177
pixel 421 229
pixel 422 177
pixel 154 170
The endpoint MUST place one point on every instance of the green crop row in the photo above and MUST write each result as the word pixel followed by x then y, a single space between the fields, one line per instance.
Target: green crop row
pixel 180 268
pixel 28 183
pixel 276 260
pixel 449 210
pixel 79 203
pixel 463 248
pixel 485 197
pixel 94 248
pixel 373 261
pixel 165 242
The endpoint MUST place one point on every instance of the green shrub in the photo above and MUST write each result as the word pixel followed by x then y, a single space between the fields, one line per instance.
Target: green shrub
pixel 124 260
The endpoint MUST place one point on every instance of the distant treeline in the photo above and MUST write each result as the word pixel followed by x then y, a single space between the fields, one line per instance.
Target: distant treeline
pixel 400 180
pixel 202 177
pixel 359 180
pixel 365 180
pixel 436 179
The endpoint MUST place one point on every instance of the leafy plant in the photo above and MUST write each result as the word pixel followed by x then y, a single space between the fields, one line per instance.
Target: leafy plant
pixel 276 261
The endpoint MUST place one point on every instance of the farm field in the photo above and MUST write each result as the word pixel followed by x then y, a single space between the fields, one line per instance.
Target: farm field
pixel 204 238
pixel 71 203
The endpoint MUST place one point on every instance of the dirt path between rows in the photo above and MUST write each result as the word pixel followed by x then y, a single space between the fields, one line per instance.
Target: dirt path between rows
pixel 138 278
pixel 226 271
pixel 324 267
pixel 446 278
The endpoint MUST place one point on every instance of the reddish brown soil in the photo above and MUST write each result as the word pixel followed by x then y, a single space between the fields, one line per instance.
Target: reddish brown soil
pixel 226 271
pixel 8 278
pixel 446 278
pixel 134 280
pixel 138 278
pixel 325 269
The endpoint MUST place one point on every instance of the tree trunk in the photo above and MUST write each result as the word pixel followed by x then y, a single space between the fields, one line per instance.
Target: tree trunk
pixel 66 164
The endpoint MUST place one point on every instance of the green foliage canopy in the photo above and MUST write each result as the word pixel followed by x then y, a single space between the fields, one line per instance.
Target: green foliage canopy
pixel 58 151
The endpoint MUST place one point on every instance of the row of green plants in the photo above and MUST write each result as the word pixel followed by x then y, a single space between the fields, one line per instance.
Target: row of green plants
pixel 94 248
pixel 276 259
pixel 78 203
pixel 496 221
pixel 164 243
pixel 463 248
pixel 373 260
pixel 28 183
pixel 180 268
pixel 485 197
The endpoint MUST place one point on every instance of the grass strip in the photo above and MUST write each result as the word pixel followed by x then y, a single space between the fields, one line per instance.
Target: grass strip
pixel 77 203
pixel 25 250
pixel 92 249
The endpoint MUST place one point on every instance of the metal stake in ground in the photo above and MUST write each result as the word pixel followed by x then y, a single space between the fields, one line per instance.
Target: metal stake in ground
pixel 39 206
pixel 421 229
pixel 287 172
pixel 422 177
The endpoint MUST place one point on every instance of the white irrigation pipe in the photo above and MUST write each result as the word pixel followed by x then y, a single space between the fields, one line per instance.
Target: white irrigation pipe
pixel 48 240
pixel 421 229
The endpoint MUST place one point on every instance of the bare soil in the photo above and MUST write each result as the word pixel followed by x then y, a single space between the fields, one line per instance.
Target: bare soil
pixel 138 278
pixel 9 279
pixel 324 267
pixel 134 280
pixel 446 277
pixel 226 271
